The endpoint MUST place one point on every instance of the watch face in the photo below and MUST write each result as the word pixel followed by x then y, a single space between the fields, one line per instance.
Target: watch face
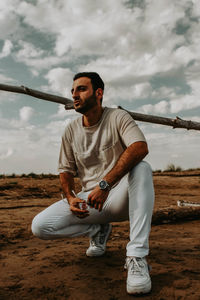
pixel 103 184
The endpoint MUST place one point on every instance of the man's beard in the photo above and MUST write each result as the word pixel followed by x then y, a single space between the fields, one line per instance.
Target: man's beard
pixel 87 105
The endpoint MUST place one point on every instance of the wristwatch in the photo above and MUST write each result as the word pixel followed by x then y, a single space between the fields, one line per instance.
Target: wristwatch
pixel 104 185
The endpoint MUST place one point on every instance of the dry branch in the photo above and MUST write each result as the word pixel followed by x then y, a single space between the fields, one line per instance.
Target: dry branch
pixel 37 94
pixel 175 123
pixel 182 203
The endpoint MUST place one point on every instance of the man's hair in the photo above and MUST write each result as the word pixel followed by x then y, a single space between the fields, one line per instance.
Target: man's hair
pixel 96 80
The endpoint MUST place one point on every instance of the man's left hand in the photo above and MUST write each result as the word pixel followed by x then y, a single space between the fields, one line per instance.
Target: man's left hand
pixel 97 198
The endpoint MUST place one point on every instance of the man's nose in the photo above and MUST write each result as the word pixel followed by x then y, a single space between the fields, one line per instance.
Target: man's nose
pixel 75 95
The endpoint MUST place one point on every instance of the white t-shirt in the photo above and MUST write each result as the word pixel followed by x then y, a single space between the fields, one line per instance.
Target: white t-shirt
pixel 91 152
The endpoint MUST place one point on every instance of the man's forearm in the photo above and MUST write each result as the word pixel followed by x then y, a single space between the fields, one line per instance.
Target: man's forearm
pixel 128 159
pixel 67 183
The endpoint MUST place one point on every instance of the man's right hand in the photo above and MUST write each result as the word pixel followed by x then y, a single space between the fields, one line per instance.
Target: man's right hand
pixel 75 209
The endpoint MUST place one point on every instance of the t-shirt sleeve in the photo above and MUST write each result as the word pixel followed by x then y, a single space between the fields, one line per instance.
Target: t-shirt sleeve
pixel 66 161
pixel 128 130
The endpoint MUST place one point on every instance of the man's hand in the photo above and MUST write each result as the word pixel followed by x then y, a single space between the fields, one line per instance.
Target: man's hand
pixel 75 209
pixel 97 198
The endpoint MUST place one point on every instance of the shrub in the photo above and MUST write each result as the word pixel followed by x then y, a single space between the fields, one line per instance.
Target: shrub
pixel 172 168
pixel 13 175
pixel 157 171
pixel 32 175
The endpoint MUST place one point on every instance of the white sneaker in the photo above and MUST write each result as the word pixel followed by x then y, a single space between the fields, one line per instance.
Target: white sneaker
pixel 98 241
pixel 138 279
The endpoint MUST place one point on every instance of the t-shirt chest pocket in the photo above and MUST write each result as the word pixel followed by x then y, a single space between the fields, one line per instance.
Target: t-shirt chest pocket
pixel 110 153
pixel 106 154
pixel 89 161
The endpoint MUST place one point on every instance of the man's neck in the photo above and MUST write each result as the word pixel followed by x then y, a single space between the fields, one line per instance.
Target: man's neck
pixel 93 116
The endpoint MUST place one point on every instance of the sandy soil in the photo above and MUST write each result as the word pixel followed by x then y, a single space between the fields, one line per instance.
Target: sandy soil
pixel 34 269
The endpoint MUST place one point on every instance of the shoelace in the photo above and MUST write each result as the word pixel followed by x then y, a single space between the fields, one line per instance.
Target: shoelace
pixel 137 265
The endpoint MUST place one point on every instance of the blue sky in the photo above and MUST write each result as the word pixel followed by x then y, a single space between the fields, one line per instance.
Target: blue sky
pixel 147 52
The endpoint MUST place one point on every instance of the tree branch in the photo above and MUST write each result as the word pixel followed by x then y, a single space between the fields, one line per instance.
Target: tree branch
pixel 37 94
pixel 175 123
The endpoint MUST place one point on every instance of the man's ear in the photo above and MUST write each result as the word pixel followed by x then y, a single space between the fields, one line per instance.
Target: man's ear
pixel 99 92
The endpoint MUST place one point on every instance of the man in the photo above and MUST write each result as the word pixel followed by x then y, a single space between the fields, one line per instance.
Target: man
pixel 105 149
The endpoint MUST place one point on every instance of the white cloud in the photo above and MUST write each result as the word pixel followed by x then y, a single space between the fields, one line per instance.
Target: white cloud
pixel 111 27
pixel 9 21
pixel 183 55
pixel 6 50
pixel 177 146
pixel 193 118
pixel 178 104
pixel 192 99
pixel 43 62
pixel 184 103
pixel 5 79
pixel 57 128
pixel 36 58
pixel 60 80
pixel 26 113
pixel 41 145
pixel 125 45
pixel 196 8
pixel 6 96
pixel 114 94
pixel 161 107
pixel 6 154
pixel 28 51
pixel 63 113
pixel 141 90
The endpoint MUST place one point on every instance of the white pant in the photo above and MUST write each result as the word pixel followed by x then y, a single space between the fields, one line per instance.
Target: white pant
pixel 132 199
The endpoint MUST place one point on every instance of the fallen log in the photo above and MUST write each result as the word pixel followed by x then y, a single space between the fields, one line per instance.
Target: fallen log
pixel 171 215
pixel 175 123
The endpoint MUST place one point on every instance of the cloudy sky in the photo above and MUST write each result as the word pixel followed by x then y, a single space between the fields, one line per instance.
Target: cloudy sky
pixel 147 52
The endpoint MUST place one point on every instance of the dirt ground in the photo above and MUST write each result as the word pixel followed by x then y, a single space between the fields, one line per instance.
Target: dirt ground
pixel 36 269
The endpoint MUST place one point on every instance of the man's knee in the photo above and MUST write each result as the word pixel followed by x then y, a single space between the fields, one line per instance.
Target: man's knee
pixel 141 170
pixel 38 228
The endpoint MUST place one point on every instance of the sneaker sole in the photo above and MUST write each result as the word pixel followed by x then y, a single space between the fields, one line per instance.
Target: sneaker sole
pixel 139 290
pixel 94 254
